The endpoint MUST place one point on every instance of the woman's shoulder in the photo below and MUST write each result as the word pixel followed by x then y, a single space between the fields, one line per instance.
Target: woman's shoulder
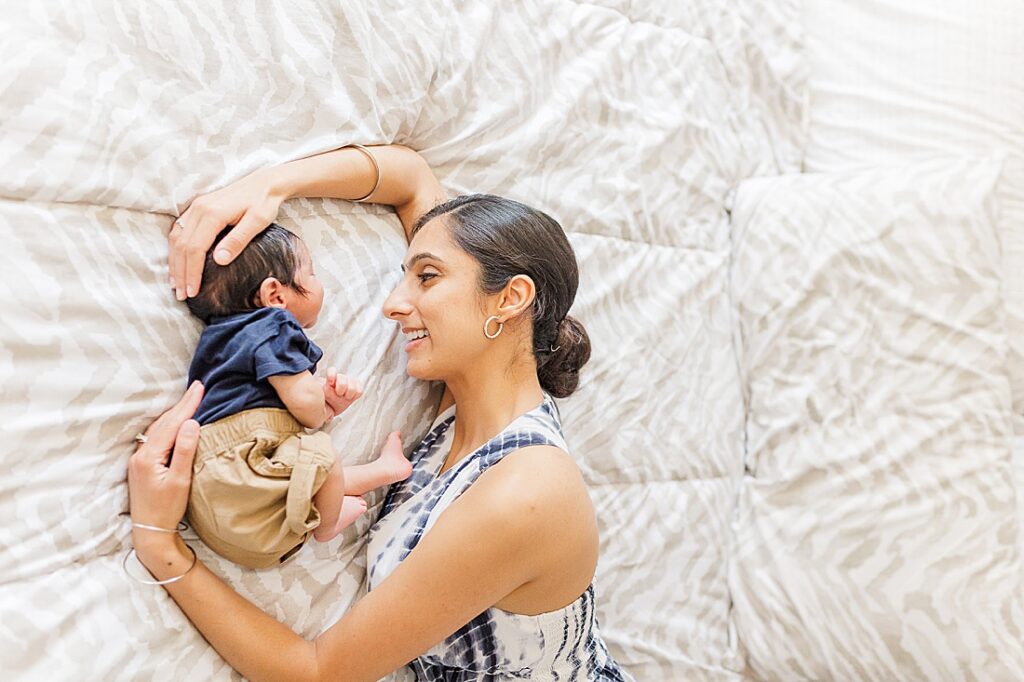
pixel 535 502
pixel 540 482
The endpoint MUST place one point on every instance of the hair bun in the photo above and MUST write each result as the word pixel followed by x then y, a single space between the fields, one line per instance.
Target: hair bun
pixel 559 374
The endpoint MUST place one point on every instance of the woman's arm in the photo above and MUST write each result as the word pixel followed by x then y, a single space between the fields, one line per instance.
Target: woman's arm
pixel 475 555
pixel 497 537
pixel 252 203
pixel 406 181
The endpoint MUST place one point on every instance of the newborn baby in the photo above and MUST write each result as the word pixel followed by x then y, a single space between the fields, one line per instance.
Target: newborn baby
pixel 261 484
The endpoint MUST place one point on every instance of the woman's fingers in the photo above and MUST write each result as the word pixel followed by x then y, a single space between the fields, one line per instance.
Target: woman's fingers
pixel 198 243
pixel 176 240
pixel 186 405
pixel 185 450
pixel 228 248
pixel 189 402
pixel 251 224
pixel 249 204
pixel 161 434
pixel 172 235
pixel 158 490
pixel 181 239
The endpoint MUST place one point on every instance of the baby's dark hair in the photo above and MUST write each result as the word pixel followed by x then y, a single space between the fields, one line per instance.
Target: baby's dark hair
pixel 234 288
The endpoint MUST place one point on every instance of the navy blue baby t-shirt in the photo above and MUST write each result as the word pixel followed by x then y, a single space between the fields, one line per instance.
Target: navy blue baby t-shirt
pixel 236 354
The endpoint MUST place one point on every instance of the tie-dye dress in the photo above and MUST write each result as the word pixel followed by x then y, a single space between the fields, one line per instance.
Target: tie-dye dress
pixel 496 645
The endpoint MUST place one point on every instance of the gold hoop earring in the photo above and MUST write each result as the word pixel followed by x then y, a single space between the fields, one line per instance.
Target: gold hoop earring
pixel 487 323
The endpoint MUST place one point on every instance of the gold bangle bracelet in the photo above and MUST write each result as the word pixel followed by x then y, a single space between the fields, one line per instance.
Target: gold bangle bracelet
pixel 376 167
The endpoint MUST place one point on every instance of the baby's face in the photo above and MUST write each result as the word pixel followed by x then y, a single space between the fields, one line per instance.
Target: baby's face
pixel 306 309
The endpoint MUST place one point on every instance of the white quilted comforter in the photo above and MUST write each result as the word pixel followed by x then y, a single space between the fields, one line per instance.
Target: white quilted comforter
pixel 797 422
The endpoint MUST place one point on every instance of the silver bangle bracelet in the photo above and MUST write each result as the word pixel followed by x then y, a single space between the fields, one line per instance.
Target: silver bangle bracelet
pixel 124 565
pixel 376 167
pixel 182 526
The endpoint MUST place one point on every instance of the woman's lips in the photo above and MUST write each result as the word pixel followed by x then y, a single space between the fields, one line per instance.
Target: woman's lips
pixel 415 343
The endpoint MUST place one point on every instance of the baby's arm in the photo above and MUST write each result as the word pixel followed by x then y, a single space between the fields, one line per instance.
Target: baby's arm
pixel 303 395
pixel 315 401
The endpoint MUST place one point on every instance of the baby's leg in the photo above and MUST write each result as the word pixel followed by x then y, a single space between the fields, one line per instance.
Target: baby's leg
pixel 328 501
pixel 390 467
pixel 337 510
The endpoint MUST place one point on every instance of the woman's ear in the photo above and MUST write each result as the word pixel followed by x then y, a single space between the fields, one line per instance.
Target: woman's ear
pixel 517 296
pixel 271 293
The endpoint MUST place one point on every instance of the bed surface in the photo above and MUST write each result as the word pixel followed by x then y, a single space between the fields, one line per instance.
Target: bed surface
pixel 797 424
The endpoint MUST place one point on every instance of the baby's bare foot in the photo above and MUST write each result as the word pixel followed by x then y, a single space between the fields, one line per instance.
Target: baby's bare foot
pixel 352 507
pixel 393 459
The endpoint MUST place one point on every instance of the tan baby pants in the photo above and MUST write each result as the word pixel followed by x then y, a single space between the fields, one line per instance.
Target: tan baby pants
pixel 253 480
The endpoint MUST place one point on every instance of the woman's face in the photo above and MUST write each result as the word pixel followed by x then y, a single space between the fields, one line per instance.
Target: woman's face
pixel 438 305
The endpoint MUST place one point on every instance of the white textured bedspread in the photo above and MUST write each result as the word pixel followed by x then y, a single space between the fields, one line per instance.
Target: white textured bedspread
pixel 801 273
pixel 632 123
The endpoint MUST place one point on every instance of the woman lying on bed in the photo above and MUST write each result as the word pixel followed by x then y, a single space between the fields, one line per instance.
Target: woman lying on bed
pixel 481 562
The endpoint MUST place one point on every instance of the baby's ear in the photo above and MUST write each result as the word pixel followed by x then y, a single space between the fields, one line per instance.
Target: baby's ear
pixel 271 293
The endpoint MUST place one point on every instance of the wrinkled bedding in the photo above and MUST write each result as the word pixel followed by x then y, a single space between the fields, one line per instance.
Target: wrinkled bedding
pixel 798 422
pixel 631 128
pixel 877 531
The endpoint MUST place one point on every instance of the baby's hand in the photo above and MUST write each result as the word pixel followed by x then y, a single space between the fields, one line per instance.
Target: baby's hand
pixel 340 391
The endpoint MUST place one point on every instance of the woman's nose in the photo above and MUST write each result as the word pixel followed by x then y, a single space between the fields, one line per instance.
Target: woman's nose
pixel 395 305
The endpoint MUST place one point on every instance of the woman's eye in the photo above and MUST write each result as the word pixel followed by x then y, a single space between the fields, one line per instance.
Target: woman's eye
pixel 424 276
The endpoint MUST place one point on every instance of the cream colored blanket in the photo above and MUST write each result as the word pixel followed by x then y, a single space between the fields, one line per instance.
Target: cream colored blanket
pixel 635 124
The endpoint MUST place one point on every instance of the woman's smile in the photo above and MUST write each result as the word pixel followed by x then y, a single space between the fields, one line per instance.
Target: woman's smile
pixel 416 338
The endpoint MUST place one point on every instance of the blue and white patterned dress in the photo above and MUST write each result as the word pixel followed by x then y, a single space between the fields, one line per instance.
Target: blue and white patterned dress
pixel 496 645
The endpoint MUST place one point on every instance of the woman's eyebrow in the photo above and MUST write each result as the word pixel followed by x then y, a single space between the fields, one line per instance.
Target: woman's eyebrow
pixel 421 256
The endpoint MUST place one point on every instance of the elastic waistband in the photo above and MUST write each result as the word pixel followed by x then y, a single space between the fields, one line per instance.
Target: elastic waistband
pixel 261 422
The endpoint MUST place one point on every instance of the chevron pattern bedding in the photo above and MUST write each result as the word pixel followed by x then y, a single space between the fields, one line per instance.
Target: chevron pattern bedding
pixel 749 530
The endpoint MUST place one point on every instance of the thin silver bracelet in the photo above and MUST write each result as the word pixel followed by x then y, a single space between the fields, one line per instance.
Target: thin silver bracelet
pixel 124 565
pixel 376 167
pixel 182 526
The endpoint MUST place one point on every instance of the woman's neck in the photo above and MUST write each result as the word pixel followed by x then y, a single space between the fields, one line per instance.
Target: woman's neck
pixel 488 403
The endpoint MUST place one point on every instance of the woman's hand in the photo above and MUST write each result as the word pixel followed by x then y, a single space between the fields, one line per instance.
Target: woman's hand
pixel 158 483
pixel 249 204
pixel 405 182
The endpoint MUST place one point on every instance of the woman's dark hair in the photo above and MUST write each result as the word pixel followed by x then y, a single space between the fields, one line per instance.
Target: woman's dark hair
pixel 234 288
pixel 508 238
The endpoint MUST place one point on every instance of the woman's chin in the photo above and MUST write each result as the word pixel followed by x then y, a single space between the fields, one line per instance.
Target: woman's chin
pixel 417 371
